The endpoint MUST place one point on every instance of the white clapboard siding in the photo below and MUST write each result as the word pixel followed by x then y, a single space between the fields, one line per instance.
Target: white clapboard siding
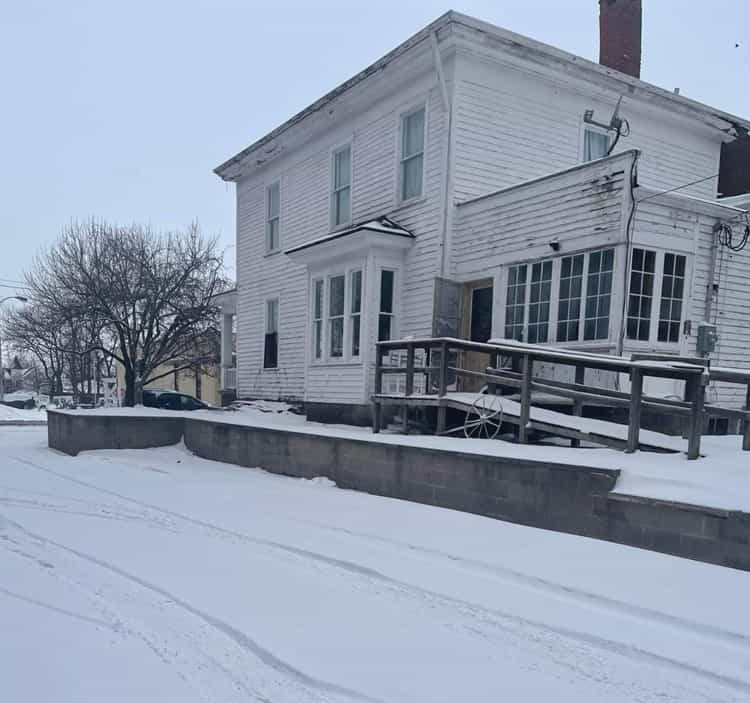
pixel 305 215
pixel 730 311
pixel 582 208
pixel 512 126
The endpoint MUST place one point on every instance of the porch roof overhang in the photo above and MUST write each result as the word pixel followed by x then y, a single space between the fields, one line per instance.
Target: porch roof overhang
pixel 226 301
pixel 380 233
pixel 721 209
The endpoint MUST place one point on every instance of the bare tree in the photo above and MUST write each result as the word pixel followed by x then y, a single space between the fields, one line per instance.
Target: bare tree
pixel 146 298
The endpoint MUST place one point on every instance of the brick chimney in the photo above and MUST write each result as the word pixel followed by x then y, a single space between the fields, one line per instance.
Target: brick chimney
pixel 620 35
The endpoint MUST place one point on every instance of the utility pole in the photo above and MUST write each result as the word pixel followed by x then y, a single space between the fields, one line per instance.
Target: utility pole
pixel 2 370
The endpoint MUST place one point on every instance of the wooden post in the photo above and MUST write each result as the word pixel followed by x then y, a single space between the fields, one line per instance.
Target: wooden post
pixel 494 363
pixel 527 364
pixel 377 409
pixel 746 427
pixel 441 412
pixel 578 404
pixel 634 419
pixel 696 420
pixel 409 368
pixel 443 369
pixel 691 388
pixel 376 416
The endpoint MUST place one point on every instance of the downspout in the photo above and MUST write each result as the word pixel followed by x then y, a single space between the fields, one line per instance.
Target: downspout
pixel 447 108
pixel 709 302
pixel 629 228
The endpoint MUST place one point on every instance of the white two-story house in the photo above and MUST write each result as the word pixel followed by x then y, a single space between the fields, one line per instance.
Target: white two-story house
pixel 473 183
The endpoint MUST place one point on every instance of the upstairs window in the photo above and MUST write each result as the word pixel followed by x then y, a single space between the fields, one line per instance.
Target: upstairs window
pixel 386 313
pixel 273 210
pixel 412 155
pixel 271 339
pixel 595 144
pixel 341 197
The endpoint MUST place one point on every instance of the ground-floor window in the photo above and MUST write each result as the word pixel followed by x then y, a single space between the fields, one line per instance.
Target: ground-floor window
pixel 568 298
pixel 336 316
pixel 271 339
pixel 648 267
pixel 386 314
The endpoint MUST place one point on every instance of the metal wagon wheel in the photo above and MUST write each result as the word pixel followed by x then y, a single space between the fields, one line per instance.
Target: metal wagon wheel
pixel 484 418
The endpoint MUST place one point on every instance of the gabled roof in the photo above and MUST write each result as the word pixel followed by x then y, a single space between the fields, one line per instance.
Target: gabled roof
pixel 519 46
pixel 381 225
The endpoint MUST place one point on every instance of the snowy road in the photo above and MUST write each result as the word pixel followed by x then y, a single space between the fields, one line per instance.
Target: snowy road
pixel 155 576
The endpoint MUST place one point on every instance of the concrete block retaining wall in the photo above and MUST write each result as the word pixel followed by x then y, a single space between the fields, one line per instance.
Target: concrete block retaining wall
pixel 566 498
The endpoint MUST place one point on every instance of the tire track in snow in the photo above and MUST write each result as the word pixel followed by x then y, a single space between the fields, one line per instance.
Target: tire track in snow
pixel 301 685
pixel 556 590
pixel 486 615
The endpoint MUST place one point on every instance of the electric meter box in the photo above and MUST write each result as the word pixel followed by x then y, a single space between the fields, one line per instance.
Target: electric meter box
pixel 708 336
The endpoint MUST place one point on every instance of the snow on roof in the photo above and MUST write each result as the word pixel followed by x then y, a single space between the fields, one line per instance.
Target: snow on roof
pixel 382 225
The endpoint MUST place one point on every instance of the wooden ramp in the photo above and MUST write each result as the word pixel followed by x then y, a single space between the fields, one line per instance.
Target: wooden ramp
pixel 549 421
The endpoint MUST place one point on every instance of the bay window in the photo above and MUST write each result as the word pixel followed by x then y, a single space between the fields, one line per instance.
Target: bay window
pixel 317 331
pixel 336 295
pixel 336 316
pixel 355 311
pixel 386 312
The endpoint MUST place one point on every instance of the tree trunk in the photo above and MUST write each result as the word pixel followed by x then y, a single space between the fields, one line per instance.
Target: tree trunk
pixel 129 387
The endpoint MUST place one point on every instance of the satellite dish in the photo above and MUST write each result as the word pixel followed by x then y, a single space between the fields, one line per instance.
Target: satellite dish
pixel 615 122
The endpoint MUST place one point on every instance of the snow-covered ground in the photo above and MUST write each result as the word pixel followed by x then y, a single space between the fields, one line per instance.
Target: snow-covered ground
pixel 8 413
pixel 720 479
pixel 155 576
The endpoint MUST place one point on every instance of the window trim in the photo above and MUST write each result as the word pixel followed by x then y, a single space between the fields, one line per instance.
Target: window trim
pixel 268 219
pixel 322 319
pixel 334 152
pixel 266 301
pixel 400 160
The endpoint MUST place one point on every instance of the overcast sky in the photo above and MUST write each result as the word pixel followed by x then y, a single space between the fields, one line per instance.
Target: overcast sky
pixel 122 109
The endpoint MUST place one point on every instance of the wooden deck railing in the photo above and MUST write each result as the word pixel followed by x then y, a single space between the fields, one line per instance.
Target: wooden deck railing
pixel 511 364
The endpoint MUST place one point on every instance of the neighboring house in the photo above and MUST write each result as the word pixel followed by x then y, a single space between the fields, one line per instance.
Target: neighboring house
pixel 459 186
pixel 203 385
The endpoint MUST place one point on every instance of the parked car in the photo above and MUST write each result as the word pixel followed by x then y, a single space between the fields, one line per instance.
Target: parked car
pixel 171 400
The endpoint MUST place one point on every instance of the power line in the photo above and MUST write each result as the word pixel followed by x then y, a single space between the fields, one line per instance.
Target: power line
pixel 684 185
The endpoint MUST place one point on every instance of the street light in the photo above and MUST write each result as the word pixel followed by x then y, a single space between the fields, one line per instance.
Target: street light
pixel 23 299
